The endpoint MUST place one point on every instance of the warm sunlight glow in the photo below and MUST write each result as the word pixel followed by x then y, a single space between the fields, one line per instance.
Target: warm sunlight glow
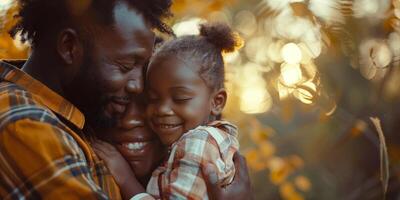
pixel 255 100
pixel 365 7
pixel 254 96
pixel 245 22
pixel 306 92
pixel 256 49
pixel 291 74
pixel 284 91
pixel 17 42
pixel 273 51
pixel 291 53
pixel 381 55
pixel 4 4
pixel 327 10
pixel 188 27
pixel 231 57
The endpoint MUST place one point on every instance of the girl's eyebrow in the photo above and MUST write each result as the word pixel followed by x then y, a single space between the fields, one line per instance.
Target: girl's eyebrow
pixel 182 88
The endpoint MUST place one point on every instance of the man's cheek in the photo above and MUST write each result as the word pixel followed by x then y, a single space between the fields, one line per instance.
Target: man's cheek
pixel 110 78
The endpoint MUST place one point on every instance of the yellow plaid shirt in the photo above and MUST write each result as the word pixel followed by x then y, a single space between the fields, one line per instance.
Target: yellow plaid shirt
pixel 42 153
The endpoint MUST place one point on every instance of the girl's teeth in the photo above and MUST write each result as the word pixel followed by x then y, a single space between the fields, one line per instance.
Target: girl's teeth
pixel 168 126
pixel 135 145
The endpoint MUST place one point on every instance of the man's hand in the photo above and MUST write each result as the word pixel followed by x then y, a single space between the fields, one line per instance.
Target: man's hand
pixel 240 188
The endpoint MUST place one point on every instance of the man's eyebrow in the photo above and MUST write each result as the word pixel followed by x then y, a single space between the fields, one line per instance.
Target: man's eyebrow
pixel 137 53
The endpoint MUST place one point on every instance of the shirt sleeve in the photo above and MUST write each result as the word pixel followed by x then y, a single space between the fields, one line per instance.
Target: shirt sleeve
pixel 39 160
pixel 185 180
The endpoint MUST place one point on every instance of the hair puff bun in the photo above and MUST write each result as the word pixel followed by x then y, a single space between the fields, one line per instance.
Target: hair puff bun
pixel 222 36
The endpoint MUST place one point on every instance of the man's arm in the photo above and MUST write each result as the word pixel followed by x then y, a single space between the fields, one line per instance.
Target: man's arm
pixel 39 160
pixel 239 189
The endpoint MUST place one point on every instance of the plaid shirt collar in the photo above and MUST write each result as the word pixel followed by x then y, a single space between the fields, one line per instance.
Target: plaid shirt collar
pixel 42 94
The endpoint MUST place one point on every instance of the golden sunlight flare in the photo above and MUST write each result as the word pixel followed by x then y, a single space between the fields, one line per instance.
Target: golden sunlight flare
pixel 306 92
pixel 291 53
pixel 328 10
pixel 255 100
pixel 188 27
pixel 245 22
pixel 254 97
pixel 18 44
pixel 5 4
pixel 257 50
pixel 284 91
pixel 374 55
pixel 290 74
pixel 371 8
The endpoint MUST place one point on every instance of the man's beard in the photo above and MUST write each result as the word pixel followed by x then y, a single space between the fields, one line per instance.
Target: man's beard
pixel 85 93
pixel 97 117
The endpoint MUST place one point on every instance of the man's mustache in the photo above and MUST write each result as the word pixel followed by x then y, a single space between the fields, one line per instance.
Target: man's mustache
pixel 120 98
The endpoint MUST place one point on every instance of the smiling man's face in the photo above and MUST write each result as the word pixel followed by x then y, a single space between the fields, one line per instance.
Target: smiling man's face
pixel 112 73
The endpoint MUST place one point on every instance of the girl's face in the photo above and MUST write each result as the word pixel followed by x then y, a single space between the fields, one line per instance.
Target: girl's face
pixel 136 142
pixel 178 98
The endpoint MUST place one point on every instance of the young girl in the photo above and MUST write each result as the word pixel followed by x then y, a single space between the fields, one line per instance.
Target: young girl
pixel 186 96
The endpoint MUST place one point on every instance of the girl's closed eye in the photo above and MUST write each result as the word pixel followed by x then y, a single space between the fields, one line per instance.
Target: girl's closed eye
pixel 182 99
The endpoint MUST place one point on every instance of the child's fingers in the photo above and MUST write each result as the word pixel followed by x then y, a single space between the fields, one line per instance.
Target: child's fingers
pixel 99 152
pixel 97 146
pixel 105 150
pixel 104 145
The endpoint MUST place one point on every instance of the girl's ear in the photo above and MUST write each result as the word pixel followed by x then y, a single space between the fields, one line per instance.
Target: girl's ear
pixel 218 102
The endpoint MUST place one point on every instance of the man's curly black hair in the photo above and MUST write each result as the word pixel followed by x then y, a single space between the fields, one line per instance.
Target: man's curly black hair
pixel 37 17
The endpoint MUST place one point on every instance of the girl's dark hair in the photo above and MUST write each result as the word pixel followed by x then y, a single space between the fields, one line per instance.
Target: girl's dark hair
pixel 205 50
pixel 37 17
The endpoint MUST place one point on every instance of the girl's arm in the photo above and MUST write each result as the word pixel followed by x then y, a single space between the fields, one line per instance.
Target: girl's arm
pixel 191 154
pixel 119 168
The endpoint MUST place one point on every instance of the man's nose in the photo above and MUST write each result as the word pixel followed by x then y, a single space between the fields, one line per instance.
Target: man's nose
pixel 135 86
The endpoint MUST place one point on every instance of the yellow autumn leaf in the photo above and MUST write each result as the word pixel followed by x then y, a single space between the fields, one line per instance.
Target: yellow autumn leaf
pixel 257 136
pixel 267 149
pixel 296 161
pixel 288 192
pixel 253 160
pixel 279 170
pixel 302 183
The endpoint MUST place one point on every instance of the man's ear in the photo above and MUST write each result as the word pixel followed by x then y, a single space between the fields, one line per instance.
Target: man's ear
pixel 218 102
pixel 69 47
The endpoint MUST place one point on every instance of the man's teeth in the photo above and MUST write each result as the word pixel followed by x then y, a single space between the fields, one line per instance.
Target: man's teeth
pixel 136 122
pixel 135 145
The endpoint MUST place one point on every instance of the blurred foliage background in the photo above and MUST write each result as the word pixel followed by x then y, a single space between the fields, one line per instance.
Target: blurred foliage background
pixel 302 91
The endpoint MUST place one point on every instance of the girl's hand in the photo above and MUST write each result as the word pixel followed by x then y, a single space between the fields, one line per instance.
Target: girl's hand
pixel 117 164
pixel 119 169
